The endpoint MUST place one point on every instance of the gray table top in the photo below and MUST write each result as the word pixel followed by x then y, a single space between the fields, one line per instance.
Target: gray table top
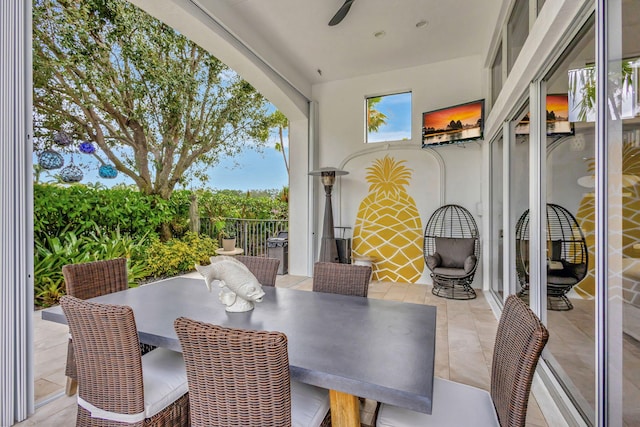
pixel 382 350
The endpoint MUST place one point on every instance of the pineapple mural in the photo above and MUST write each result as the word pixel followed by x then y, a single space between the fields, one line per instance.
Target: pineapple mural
pixel 388 226
pixel 630 222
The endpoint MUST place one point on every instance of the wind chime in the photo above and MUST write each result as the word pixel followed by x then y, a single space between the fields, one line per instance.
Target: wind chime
pixel 50 159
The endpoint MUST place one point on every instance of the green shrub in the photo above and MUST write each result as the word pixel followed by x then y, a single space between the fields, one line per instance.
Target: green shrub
pixel 177 256
pixel 122 222
pixel 236 204
pixel 52 253
pixel 82 209
pixel 49 256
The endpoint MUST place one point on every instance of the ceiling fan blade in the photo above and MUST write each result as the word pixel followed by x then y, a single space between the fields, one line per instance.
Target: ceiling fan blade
pixel 342 12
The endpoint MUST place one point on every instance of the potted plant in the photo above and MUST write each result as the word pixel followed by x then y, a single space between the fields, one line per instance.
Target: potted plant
pixel 228 234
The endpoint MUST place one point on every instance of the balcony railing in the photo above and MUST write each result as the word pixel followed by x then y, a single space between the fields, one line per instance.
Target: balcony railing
pixel 252 233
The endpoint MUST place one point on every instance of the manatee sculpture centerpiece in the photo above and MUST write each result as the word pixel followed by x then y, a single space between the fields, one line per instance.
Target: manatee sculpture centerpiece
pixel 240 289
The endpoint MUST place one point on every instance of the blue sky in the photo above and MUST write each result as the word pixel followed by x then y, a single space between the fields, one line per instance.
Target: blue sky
pixel 255 171
pixel 397 108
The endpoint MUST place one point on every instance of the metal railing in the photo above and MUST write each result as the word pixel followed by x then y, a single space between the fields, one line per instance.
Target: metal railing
pixel 252 234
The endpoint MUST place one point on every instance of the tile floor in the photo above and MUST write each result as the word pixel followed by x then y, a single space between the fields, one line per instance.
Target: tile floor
pixel 464 345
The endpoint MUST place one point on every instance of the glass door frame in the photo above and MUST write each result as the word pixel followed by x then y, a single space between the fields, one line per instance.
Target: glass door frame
pixel 608 180
pixel 494 248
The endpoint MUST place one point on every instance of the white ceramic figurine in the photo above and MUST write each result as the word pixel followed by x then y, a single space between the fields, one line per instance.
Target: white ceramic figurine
pixel 240 289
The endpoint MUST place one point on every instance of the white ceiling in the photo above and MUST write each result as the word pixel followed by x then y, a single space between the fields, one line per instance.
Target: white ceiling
pixel 294 38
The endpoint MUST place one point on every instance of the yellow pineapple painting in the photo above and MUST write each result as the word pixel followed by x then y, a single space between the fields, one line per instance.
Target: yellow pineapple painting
pixel 388 226
pixel 630 221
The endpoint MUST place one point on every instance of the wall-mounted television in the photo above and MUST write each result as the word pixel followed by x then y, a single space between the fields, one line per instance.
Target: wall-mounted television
pixel 558 123
pixel 464 122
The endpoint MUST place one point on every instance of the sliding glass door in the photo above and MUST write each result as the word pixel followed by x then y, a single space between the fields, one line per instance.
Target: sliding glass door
pixel 569 246
pixel 618 172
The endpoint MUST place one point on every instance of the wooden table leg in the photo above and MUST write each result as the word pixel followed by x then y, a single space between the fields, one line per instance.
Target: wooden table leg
pixel 345 409
pixel 71 387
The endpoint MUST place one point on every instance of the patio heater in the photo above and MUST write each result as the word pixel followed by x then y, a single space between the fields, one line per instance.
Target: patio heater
pixel 329 246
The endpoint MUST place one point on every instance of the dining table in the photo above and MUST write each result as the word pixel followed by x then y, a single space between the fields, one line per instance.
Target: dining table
pixel 352 346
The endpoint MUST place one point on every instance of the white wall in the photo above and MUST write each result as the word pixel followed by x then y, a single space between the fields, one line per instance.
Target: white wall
pixel 299 211
pixel 341 115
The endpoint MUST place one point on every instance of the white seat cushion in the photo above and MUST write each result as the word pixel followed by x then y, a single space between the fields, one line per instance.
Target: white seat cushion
pixel 454 404
pixel 309 404
pixel 165 379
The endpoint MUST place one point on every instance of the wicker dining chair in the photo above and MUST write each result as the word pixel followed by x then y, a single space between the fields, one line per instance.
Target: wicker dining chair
pixel 241 377
pixel 116 385
pixel 345 279
pixel 519 341
pixel 89 280
pixel 265 269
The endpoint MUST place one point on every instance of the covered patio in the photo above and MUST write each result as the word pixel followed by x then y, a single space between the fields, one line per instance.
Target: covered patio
pixel 511 54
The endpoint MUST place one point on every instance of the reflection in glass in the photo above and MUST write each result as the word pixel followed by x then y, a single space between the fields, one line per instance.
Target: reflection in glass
pixel 570 184
pixel 624 203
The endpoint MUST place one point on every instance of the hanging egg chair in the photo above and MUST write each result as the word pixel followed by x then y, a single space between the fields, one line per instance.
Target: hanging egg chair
pixel 452 251
pixel 567 255
pixel 50 159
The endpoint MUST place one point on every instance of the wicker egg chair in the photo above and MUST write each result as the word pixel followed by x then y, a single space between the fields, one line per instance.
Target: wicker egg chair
pixel 567 255
pixel 452 251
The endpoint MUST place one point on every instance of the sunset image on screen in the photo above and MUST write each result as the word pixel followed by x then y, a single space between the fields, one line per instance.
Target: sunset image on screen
pixel 559 104
pixel 557 107
pixel 468 114
pixel 454 124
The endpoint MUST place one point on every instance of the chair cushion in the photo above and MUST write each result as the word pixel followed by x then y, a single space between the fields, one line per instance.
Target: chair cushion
pixel 577 270
pixel 563 280
pixel 470 263
pixel 454 251
pixel 165 379
pixel 477 409
pixel 309 404
pixel 554 248
pixel 433 261
pixel 449 272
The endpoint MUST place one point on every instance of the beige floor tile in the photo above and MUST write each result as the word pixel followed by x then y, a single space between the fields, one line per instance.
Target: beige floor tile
pixel 45 388
pixel 396 293
pixel 60 412
pixel 461 340
pixel 415 294
pixel 468 367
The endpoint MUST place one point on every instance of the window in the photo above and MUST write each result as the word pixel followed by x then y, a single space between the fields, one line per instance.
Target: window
pixel 388 117
pixel 517 31
pixel 496 75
